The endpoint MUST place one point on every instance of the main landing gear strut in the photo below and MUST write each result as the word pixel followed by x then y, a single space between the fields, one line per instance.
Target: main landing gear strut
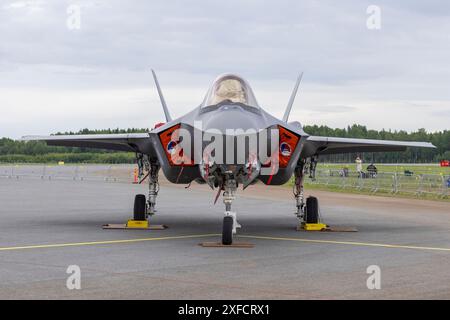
pixel 307 212
pixel 144 208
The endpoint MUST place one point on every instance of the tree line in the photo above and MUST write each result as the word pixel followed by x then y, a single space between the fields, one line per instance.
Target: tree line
pixel 14 151
pixel 441 139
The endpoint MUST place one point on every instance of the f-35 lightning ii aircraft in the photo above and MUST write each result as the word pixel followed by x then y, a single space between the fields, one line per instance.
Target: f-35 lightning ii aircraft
pixel 226 141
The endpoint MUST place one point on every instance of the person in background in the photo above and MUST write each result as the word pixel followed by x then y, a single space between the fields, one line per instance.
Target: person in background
pixel 372 170
pixel 358 162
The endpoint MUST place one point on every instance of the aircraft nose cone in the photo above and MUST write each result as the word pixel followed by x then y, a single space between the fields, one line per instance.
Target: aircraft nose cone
pixel 232 117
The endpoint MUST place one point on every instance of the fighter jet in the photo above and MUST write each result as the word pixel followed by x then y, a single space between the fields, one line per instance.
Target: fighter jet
pixel 227 141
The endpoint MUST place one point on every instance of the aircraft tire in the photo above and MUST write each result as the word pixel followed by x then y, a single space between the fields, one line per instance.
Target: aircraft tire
pixel 227 231
pixel 139 207
pixel 312 210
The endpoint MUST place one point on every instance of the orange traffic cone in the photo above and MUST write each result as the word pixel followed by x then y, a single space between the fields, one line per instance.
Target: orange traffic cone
pixel 135 176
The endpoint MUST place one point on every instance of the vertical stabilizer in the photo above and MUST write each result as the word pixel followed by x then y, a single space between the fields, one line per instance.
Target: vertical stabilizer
pixel 161 97
pixel 292 98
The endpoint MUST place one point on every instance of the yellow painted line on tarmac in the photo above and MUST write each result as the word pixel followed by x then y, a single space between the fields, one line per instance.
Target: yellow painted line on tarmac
pixel 352 243
pixel 93 243
pixel 125 241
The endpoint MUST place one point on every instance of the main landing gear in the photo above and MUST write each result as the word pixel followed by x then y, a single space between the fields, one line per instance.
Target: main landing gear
pixel 307 212
pixel 143 207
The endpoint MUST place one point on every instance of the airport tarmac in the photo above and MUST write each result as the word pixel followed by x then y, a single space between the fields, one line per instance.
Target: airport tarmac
pixel 48 225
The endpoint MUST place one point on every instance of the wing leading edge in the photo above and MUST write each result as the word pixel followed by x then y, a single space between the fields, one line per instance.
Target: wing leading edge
pixel 132 142
pixel 332 145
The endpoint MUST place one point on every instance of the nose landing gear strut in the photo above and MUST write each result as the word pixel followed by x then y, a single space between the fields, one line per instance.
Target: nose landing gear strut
pixel 230 223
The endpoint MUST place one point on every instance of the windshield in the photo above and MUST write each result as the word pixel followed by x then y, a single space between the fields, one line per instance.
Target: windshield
pixel 232 88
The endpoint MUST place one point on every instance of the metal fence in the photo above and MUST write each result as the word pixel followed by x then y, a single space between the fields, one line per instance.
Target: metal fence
pixel 108 173
pixel 388 182
pixel 433 185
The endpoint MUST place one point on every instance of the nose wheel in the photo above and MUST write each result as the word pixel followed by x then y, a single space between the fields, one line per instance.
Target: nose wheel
pixel 227 231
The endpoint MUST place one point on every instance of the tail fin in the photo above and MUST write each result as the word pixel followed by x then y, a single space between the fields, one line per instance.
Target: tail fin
pixel 161 97
pixel 292 98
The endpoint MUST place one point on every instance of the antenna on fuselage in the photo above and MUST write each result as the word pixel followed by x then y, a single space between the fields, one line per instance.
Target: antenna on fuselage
pixel 292 98
pixel 161 97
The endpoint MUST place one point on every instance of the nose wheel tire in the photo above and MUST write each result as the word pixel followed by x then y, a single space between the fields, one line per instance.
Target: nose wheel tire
pixel 139 212
pixel 227 231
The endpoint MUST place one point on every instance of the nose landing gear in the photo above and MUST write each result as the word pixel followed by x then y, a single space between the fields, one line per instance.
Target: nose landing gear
pixel 230 223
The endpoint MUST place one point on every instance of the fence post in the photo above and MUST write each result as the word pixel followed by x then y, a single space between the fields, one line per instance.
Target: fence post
pixel 361 181
pixel 376 185
pixel 445 186
pixel 394 183
pixel 420 187
pixel 108 173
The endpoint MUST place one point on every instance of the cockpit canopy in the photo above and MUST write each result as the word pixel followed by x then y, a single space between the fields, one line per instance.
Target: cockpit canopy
pixel 231 88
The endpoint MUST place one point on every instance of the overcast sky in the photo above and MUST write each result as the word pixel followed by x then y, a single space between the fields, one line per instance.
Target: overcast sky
pixel 57 74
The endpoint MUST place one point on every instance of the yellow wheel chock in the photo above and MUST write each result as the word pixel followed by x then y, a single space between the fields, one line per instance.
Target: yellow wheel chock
pixel 313 226
pixel 136 225
pixel 323 227
pixel 139 224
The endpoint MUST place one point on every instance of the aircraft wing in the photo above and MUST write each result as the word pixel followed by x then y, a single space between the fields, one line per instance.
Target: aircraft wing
pixel 132 142
pixel 331 145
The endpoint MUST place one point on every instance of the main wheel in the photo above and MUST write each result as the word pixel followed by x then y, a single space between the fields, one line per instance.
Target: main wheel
pixel 139 207
pixel 312 210
pixel 227 231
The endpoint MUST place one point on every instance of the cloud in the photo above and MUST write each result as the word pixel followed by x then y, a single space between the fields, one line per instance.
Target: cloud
pixel 331 109
pixel 30 5
pixel 189 42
